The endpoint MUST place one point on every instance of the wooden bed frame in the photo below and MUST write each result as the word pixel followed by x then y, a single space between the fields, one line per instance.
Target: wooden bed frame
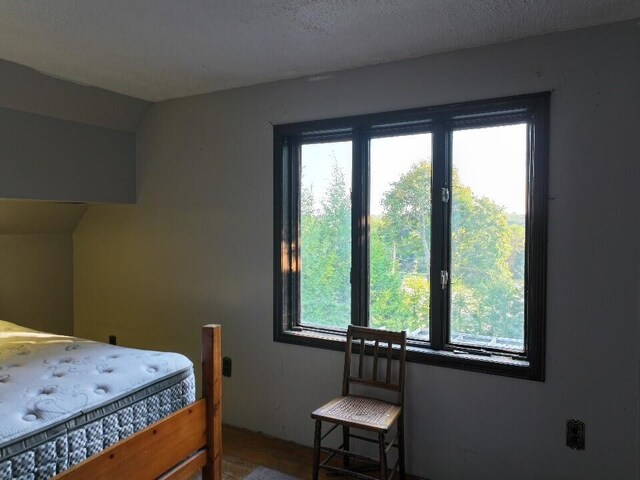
pixel 176 447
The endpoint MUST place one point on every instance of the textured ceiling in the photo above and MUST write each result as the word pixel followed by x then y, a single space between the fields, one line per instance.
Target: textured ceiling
pixel 160 49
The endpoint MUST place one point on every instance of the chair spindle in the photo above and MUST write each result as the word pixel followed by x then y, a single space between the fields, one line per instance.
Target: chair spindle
pixel 361 365
pixel 376 349
pixel 389 348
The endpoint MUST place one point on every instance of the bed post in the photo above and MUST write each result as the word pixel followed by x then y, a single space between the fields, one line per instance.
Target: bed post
pixel 212 394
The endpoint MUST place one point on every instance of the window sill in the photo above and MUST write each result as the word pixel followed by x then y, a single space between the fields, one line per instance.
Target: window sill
pixel 495 364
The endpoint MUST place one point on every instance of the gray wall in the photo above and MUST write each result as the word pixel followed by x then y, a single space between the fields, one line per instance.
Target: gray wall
pixel 44 158
pixel 63 141
pixel 24 89
pixel 198 249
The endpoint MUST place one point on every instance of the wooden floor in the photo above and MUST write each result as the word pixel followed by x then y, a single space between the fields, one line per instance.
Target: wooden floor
pixel 244 451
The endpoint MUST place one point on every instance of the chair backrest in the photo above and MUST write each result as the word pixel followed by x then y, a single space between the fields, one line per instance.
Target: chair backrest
pixel 379 372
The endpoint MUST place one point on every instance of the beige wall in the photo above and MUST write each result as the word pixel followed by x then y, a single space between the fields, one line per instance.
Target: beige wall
pixel 36 281
pixel 198 249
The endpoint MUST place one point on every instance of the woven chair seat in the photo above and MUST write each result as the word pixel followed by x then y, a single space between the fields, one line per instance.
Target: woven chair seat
pixel 376 352
pixel 362 412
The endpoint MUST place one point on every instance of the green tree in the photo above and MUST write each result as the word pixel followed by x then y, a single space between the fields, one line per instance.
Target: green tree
pixel 400 253
pixel 407 218
pixel 486 299
pixel 386 305
pixel 486 291
pixel 487 270
pixel 325 254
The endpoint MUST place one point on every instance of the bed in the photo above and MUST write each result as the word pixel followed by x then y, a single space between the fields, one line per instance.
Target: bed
pixel 72 408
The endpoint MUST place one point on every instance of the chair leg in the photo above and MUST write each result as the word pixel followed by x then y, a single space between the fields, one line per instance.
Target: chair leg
pixel 345 446
pixel 383 457
pixel 401 445
pixel 316 450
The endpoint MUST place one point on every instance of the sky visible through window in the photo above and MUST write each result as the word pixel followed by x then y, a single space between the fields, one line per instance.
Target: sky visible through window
pixel 492 162
pixel 496 173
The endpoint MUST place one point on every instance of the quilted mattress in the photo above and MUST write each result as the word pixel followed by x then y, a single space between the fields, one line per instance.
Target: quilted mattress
pixel 63 398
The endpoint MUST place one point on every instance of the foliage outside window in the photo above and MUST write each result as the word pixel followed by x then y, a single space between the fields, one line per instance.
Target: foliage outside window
pixel 429 220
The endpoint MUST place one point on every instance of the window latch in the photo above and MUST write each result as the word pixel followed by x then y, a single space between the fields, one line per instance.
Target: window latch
pixel 444 278
pixel 445 195
pixel 480 352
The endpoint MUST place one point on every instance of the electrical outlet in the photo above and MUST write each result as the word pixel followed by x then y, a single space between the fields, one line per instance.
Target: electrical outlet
pixel 112 339
pixel 226 366
pixel 575 434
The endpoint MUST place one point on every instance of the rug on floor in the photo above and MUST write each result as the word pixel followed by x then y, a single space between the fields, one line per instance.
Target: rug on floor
pixel 264 473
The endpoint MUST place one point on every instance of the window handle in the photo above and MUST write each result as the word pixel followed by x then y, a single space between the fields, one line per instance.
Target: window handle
pixel 444 278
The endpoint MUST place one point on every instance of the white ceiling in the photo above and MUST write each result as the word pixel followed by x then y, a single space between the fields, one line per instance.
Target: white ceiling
pixel 160 49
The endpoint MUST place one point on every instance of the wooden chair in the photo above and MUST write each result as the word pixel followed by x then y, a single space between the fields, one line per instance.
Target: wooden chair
pixel 365 412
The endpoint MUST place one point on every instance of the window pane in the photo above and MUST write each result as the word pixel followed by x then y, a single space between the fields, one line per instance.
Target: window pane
pixel 488 236
pixel 400 241
pixel 325 234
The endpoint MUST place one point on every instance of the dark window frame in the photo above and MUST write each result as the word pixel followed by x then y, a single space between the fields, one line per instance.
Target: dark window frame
pixel 440 121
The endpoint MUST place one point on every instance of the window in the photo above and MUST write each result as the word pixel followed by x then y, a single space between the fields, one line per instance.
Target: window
pixel 430 220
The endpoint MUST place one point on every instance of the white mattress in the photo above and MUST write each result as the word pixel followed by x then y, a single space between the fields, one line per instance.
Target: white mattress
pixel 47 379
